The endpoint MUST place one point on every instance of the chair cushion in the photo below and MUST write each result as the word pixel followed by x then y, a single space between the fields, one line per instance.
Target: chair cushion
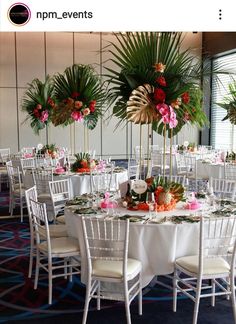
pixel 211 266
pixel 61 245
pixel 61 219
pixel 55 231
pixel 44 196
pixel 113 269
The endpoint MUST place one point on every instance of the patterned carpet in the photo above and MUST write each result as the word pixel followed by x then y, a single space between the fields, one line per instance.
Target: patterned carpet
pixel 20 303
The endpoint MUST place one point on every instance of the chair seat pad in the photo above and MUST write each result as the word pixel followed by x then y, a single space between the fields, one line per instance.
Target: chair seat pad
pixel 58 230
pixel 44 196
pixel 211 266
pixel 113 269
pixel 61 219
pixel 61 245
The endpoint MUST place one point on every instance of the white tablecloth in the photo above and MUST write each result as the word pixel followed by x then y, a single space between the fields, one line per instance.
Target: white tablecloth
pixel 80 183
pixel 155 245
pixel 207 170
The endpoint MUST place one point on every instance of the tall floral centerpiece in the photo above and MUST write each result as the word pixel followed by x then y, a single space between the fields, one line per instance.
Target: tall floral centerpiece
pixel 38 102
pixel 229 103
pixel 80 96
pixel 157 84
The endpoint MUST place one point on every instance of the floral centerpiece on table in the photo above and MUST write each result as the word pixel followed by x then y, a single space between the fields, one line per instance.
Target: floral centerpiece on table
pixel 38 102
pixel 157 82
pixel 50 149
pixel 166 195
pixel 80 96
pixel 83 163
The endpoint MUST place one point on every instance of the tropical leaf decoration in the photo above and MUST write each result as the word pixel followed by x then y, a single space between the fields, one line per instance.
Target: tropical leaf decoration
pixel 38 102
pixel 80 96
pixel 155 61
pixel 83 162
pixel 229 104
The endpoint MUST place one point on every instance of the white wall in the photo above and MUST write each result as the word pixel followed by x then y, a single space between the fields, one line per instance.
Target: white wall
pixel 25 56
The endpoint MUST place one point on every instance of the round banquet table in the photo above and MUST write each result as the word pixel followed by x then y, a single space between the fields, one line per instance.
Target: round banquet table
pixel 80 183
pixel 205 170
pixel 155 245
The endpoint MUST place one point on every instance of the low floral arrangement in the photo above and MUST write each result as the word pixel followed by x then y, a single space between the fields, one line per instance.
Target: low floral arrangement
pixel 80 96
pixel 166 195
pixel 50 149
pixel 83 163
pixel 38 102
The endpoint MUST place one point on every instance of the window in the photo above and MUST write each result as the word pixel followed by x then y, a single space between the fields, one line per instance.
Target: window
pixel 223 134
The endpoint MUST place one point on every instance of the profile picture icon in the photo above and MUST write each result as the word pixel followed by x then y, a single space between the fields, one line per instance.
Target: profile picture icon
pixel 19 14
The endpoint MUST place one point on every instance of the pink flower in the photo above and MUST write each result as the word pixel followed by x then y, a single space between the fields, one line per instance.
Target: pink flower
pixel 86 111
pixel 162 108
pixel 39 106
pixel 44 116
pixel 77 116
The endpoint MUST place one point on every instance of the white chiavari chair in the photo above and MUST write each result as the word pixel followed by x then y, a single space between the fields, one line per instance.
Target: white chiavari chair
pixel 224 188
pixel 106 244
pixel 54 230
pixel 230 171
pixel 57 256
pixel 198 276
pixel 17 190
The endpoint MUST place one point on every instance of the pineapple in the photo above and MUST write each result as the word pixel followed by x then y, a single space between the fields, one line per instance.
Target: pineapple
pixel 164 198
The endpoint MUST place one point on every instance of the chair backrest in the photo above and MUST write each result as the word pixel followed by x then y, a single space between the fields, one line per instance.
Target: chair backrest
pixel 178 179
pixel 60 193
pixel 191 165
pixel 230 171
pixel 28 163
pixel 14 176
pixel 133 169
pixel 139 152
pixel 41 180
pixel 217 238
pixel 30 193
pixel 106 240
pixel 4 155
pixel 224 188
pixel 40 223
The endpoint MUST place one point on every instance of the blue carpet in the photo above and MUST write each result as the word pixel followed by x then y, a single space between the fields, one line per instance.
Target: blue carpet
pixel 20 303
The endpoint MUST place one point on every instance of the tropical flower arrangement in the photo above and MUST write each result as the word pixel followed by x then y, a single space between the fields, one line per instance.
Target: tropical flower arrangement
pixel 38 102
pixel 166 195
pixel 229 104
pixel 157 84
pixel 83 163
pixel 50 149
pixel 80 96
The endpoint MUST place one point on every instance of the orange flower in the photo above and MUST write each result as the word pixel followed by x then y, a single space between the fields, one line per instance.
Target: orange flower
pixel 176 103
pixel 78 104
pixel 159 67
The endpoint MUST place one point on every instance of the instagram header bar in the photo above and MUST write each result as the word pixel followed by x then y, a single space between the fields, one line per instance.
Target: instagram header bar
pixel 103 15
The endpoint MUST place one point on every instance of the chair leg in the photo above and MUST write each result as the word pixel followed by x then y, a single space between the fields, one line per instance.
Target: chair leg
pixel 21 211
pixel 50 281
pixel 98 296
pixel 127 310
pixel 31 256
pixel 233 299
pixel 197 300
pixel 36 278
pixel 213 290
pixel 140 297
pixel 175 291
pixel 87 299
